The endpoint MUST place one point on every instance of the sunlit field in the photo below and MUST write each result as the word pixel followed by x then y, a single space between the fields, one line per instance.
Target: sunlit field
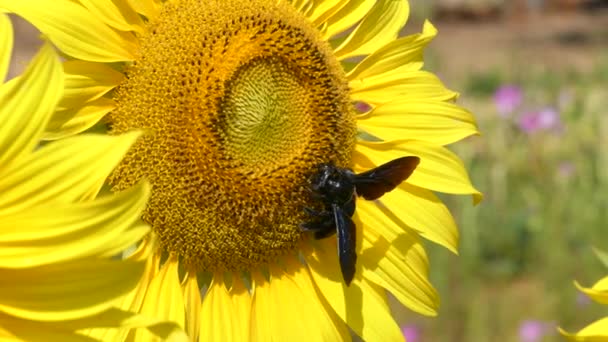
pixel 538 84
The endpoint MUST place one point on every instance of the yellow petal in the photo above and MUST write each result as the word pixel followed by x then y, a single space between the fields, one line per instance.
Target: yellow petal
pixel 117 13
pixel 148 8
pixel 376 317
pixel 125 241
pixel 361 305
pixel 400 55
pixel 63 171
pixel 601 285
pixel 27 104
pixel 114 324
pixel 218 320
pixel 6 45
pixel 380 26
pixel 261 309
pixel 192 301
pixel 14 329
pixel 439 169
pixel 395 260
pixel 76 120
pixel 595 332
pixel 404 87
pixel 64 291
pixel 87 81
pixel 412 207
pixel 436 122
pixel 144 253
pixel 75 30
pixel 287 308
pixel 347 16
pixel 164 299
pixel 325 271
pixel 303 6
pixel 241 303
pixel 62 232
pixel 323 9
pixel 130 302
pixel 599 291
pixel 379 227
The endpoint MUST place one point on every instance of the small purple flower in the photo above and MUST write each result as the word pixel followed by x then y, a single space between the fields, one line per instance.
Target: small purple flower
pixel 507 98
pixel 411 333
pixel 534 331
pixel 528 122
pixel 544 119
pixel 548 118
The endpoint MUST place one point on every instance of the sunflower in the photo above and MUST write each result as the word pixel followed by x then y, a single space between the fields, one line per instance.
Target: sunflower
pixel 240 101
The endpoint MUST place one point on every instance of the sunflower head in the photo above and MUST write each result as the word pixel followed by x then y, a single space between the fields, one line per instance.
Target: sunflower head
pixel 242 101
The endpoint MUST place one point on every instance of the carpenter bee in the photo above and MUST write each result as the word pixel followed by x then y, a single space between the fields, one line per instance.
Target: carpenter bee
pixel 338 188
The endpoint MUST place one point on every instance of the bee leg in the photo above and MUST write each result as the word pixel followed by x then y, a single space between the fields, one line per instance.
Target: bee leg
pixel 311 211
pixel 317 196
pixel 325 232
pixel 326 227
pixel 317 213
pixel 312 226
pixel 322 228
pixel 323 224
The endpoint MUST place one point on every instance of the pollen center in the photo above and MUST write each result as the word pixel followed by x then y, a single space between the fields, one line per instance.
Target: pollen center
pixel 239 101
pixel 265 122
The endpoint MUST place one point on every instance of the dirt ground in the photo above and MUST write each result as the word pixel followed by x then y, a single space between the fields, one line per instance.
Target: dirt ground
pixel 566 41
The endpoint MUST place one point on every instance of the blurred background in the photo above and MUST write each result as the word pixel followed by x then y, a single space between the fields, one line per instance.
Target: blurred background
pixel 535 73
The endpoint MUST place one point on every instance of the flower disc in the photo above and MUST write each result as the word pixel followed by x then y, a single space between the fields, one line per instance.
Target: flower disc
pixel 241 101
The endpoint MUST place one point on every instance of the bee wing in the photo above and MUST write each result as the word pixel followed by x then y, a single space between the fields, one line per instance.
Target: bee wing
pixel 376 182
pixel 347 237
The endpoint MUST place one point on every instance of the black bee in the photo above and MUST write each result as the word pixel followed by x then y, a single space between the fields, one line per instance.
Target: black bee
pixel 338 188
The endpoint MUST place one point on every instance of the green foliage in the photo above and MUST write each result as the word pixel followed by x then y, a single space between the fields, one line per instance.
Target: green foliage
pixel 602 256
pixel 483 84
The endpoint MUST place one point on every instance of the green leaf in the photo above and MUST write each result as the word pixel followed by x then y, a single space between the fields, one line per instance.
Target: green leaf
pixel 603 256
